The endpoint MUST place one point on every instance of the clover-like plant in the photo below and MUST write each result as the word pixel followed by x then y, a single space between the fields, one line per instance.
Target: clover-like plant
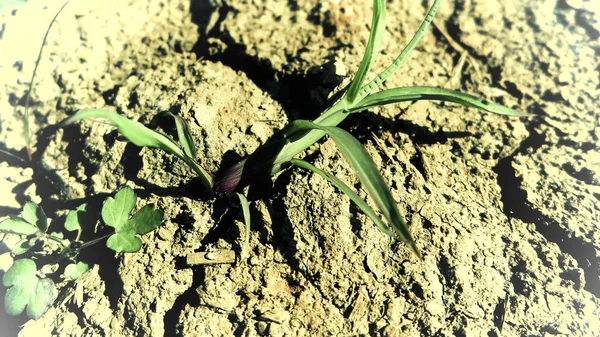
pixel 31 253
pixel 296 137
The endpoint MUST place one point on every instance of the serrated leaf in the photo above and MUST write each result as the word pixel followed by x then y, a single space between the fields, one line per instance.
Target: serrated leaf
pixel 146 219
pixel 29 213
pixel 126 242
pixel 74 271
pixel 115 211
pixel 72 222
pixel 18 225
pixel 21 271
pixel 16 298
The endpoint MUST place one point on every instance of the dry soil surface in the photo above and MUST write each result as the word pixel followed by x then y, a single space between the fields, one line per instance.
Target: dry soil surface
pixel 504 210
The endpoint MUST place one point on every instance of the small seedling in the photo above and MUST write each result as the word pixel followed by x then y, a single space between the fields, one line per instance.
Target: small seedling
pixel 299 135
pixel 31 253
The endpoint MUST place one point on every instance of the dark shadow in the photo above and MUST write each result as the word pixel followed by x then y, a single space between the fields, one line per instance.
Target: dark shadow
pixel 227 210
pixel 189 297
pixel 367 122
pixel 517 206
pixel 302 95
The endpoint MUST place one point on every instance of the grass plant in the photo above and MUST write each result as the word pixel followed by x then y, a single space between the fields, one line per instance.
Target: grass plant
pixel 31 289
pixel 271 158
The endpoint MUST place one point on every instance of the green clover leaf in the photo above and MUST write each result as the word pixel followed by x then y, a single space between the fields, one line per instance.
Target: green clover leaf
pixel 74 271
pixel 17 225
pixel 27 290
pixel 72 222
pixel 31 220
pixel 35 215
pixel 115 213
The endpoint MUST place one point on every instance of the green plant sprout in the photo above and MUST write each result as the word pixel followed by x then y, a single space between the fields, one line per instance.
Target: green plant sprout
pixel 296 137
pixel 27 244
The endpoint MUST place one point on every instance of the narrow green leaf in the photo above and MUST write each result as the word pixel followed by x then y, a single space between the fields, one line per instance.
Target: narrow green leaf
pixel 347 191
pixel 28 97
pixel 134 131
pixel 18 225
pixel 126 242
pixel 430 93
pixel 375 39
pixel 146 219
pixel 246 212
pixel 184 136
pixel 368 174
pixel 115 211
pixel 72 222
pixel 140 135
pixel 369 87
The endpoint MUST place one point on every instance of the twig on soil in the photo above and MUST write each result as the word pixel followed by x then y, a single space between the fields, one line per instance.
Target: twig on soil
pixel 216 257
pixel 382 146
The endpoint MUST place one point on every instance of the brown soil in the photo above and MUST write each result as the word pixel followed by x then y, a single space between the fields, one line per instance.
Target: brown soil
pixel 504 210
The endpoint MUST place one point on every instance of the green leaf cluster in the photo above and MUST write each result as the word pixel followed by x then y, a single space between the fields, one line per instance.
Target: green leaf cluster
pixel 115 213
pixel 30 289
pixel 27 290
pixel 30 224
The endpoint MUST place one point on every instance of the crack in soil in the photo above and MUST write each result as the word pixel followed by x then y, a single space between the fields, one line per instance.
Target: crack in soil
pixel 516 205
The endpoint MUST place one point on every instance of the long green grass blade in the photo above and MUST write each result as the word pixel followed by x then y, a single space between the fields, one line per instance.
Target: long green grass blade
pixel 367 173
pixel 28 97
pixel 184 136
pixel 246 211
pixel 436 94
pixel 369 87
pixel 375 39
pixel 140 135
pixel 347 191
